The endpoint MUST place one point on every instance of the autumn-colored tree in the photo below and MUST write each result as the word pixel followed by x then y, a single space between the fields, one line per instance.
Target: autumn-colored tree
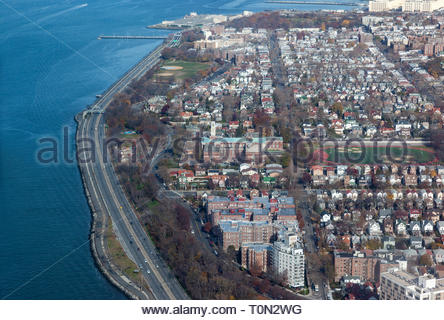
pixel 207 227
pixel 338 108
pixel 300 219
pixel 261 119
pixel 306 178
pixel 425 260
pixel 323 28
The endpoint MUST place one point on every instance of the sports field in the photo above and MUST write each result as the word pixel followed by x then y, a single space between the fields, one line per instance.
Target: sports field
pixel 181 69
pixel 375 155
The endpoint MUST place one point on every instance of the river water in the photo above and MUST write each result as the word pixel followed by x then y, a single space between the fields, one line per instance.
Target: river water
pixel 51 67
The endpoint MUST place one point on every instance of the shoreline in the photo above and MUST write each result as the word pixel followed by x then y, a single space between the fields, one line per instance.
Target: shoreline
pixel 99 221
pixel 100 261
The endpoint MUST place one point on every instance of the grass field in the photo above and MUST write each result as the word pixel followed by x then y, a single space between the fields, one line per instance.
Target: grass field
pixel 119 257
pixel 186 68
pixel 379 155
pixel 152 204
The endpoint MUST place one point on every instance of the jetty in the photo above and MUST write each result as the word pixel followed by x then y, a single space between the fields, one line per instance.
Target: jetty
pixel 132 37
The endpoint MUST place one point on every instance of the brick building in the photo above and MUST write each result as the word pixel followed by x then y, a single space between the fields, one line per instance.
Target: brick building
pixel 281 209
pixel 236 233
pixel 356 264
pixel 223 149
pixel 255 255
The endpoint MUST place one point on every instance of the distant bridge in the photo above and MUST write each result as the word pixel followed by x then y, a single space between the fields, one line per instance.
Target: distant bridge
pixel 131 37
pixel 323 3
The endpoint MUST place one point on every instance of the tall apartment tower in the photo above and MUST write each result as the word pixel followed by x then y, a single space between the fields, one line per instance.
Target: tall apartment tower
pixel 288 259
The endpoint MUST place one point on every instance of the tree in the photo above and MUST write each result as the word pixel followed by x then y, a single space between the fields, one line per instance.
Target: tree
pixel 352 172
pixel 373 244
pixel 337 108
pixel 437 139
pixel 207 227
pixel 328 266
pixel 306 178
pixel 285 160
pixel 232 253
pixel 261 119
pixel 229 102
pixel 425 260
pixel 255 270
pixel 300 219
pixel 183 217
pixel 342 245
pixel 211 184
pixel 232 181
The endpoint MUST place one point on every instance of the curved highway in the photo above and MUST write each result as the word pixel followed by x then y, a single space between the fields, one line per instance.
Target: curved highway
pixel 106 192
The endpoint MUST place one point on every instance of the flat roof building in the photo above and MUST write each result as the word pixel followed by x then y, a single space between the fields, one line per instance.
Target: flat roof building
pixel 288 259
pixel 401 285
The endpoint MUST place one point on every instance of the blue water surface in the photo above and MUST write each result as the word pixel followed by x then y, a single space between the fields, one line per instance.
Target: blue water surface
pixel 51 67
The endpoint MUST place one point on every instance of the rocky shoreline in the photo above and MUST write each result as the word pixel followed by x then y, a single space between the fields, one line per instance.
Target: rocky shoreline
pixel 97 238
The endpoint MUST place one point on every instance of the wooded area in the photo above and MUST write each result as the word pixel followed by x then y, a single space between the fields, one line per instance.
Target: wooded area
pixel 275 20
pixel 201 273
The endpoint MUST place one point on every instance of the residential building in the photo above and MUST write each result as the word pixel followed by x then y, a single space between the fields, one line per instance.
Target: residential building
pixel 255 255
pixel 355 264
pixel 288 259
pixel 236 233
pixel 400 285
pixel 223 149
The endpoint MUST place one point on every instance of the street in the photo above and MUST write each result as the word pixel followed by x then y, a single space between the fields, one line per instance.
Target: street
pixel 108 196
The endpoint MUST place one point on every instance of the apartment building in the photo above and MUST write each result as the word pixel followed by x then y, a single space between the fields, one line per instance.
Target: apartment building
pixel 355 264
pixel 226 150
pixel 287 258
pixel 255 255
pixel 236 233
pixel 240 208
pixel 406 5
pixel 401 285
pixel 434 47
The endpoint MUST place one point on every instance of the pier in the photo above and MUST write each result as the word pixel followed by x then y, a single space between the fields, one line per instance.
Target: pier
pixel 131 37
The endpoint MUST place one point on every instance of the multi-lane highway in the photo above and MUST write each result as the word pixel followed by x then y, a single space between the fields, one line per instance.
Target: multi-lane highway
pixel 107 196
pixel 133 74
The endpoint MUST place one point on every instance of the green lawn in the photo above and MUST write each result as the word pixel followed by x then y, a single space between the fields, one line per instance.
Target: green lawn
pixel 380 155
pixel 152 204
pixel 129 136
pixel 189 68
pixel 119 257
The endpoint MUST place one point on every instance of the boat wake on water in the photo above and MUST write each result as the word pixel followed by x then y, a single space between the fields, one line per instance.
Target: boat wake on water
pixel 57 14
